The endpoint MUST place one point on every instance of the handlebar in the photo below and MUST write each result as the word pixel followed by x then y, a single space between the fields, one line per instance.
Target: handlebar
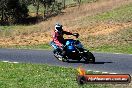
pixel 76 35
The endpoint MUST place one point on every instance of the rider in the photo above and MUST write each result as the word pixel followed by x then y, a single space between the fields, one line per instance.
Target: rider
pixel 58 40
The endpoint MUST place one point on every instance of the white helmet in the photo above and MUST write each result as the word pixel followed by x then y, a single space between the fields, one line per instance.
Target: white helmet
pixel 58 27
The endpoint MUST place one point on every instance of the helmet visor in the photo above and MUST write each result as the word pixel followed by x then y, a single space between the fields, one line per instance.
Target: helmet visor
pixel 59 29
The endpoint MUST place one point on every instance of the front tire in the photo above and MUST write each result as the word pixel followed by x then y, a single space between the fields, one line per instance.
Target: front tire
pixel 89 57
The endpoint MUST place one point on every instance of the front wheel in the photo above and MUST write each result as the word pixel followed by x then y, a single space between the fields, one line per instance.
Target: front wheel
pixel 89 57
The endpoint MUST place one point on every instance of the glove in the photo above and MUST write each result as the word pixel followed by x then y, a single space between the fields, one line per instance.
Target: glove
pixel 76 34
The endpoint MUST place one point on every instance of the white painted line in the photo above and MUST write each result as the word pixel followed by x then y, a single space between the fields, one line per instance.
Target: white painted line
pixel 5 61
pixel 122 53
pixel 104 72
pixel 112 53
pixel 15 62
pixel 10 62
pixel 113 73
pixel 96 71
pixel 89 70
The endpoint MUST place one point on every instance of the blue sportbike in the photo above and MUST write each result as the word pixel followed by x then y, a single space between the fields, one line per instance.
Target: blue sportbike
pixel 74 50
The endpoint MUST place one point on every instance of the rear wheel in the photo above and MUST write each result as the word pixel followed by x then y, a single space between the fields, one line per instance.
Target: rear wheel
pixel 59 56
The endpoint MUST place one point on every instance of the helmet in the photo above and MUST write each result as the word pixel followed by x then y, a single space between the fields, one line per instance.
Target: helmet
pixel 58 28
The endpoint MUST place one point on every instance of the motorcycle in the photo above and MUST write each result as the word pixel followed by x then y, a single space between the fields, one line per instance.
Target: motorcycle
pixel 74 50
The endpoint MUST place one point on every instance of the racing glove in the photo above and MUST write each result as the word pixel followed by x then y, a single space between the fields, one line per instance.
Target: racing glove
pixel 76 35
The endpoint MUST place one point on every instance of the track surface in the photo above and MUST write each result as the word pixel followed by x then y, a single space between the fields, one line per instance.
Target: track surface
pixel 114 63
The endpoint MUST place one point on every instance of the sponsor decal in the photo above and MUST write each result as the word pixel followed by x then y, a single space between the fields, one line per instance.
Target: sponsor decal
pixel 83 78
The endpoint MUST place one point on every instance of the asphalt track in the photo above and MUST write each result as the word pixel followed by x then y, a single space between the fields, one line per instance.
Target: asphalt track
pixel 113 63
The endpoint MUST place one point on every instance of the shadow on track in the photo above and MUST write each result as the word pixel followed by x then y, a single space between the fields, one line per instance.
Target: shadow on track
pixel 88 63
pixel 101 62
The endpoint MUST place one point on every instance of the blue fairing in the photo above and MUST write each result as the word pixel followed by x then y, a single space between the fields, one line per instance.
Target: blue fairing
pixel 69 44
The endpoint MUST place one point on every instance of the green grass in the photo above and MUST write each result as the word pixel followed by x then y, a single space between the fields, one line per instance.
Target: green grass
pixel 6 31
pixel 121 14
pixel 40 46
pixel 68 2
pixel 35 47
pixel 6 27
pixel 39 76
pixel 13 30
pixel 127 49
pixel 89 1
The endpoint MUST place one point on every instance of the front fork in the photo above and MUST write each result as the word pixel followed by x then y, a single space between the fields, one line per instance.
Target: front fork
pixel 81 51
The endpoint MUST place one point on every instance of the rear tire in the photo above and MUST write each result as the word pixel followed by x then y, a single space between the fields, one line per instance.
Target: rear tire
pixel 59 57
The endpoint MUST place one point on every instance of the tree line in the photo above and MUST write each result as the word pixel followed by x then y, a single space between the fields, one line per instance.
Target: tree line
pixel 15 11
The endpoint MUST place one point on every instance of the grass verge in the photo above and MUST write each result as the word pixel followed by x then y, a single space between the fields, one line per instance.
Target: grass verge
pixel 40 76
pixel 40 46
pixel 121 14
pixel 126 49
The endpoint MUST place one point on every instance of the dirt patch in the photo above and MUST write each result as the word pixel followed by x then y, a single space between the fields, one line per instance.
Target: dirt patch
pixel 46 37
pixel 103 28
pixel 106 34
pixel 33 39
